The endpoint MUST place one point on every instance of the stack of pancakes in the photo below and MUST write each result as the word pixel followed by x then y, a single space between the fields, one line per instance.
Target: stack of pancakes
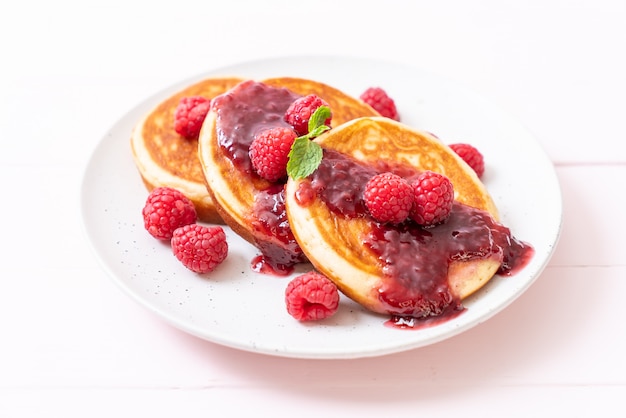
pixel 225 189
pixel 234 186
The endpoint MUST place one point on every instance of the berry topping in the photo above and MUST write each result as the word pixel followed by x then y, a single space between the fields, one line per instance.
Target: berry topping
pixel 381 102
pixel 165 210
pixel 200 248
pixel 269 152
pixel 434 195
pixel 300 111
pixel 388 197
pixel 311 296
pixel 471 156
pixel 189 116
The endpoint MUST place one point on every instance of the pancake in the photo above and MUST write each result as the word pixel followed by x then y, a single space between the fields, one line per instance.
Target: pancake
pixel 393 269
pixel 165 158
pixel 250 205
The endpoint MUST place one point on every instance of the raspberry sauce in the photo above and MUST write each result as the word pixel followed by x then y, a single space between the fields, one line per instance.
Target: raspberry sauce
pixel 245 110
pixel 280 251
pixel 415 259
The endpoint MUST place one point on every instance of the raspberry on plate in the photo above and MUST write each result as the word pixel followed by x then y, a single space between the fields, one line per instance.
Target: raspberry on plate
pixel 434 195
pixel 471 156
pixel 300 111
pixel 165 210
pixel 311 297
pixel 200 248
pixel 269 152
pixel 388 197
pixel 190 114
pixel 381 102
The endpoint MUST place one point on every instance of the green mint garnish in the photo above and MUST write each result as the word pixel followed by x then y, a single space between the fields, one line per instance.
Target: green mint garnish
pixel 304 158
pixel 305 155
pixel 317 120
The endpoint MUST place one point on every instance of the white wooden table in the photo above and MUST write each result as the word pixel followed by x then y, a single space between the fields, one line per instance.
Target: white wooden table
pixel 73 345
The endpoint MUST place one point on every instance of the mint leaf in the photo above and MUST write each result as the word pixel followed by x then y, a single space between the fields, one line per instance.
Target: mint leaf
pixel 318 118
pixel 317 131
pixel 304 158
pixel 305 155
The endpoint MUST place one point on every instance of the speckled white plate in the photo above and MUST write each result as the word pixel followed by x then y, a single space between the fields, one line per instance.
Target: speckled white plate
pixel 239 308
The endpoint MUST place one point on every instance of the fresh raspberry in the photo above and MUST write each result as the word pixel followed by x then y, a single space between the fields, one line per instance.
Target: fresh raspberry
pixel 165 210
pixel 471 156
pixel 434 195
pixel 190 114
pixel 269 152
pixel 311 296
pixel 200 248
pixel 388 197
pixel 300 111
pixel 381 102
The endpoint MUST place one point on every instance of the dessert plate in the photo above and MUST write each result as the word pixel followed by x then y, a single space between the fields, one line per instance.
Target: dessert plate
pixel 236 307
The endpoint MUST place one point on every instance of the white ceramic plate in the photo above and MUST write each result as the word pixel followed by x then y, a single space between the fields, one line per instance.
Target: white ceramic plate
pixel 236 307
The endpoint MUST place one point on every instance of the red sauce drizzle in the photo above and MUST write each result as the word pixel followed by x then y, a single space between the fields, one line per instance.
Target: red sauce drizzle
pixel 245 110
pixel 280 252
pixel 415 259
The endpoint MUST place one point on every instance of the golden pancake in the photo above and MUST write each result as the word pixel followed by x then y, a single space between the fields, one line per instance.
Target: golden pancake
pixel 250 205
pixel 393 269
pixel 165 158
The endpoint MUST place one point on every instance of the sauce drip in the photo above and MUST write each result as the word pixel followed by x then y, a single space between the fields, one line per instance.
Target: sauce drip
pixel 244 111
pixel 280 252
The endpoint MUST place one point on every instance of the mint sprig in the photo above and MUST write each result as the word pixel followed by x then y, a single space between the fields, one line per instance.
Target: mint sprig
pixel 305 155
pixel 304 158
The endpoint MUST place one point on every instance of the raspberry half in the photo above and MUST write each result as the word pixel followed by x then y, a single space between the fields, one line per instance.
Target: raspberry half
pixel 190 114
pixel 434 195
pixel 311 297
pixel 165 210
pixel 269 152
pixel 381 102
pixel 471 156
pixel 388 197
pixel 300 111
pixel 200 248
